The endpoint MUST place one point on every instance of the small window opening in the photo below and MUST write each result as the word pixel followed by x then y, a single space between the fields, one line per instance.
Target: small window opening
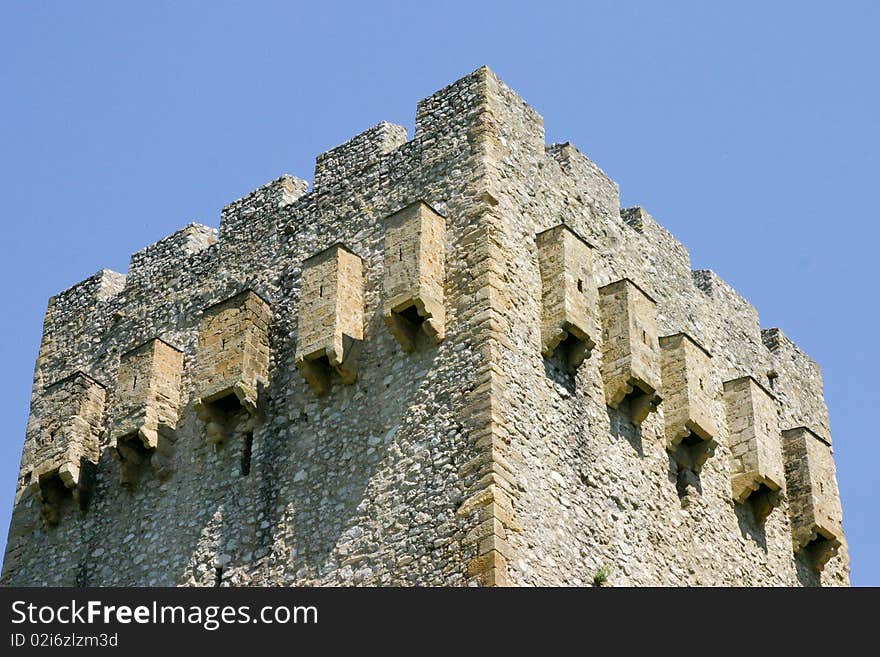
pixel 218 575
pixel 580 285
pixel 246 451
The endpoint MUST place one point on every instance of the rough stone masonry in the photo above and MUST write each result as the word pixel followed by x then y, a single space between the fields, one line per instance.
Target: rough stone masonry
pixel 455 361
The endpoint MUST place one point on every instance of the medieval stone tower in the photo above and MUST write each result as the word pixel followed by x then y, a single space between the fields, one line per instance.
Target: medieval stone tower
pixel 456 360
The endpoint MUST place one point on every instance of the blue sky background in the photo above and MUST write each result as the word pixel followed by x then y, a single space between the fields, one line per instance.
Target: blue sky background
pixel 751 131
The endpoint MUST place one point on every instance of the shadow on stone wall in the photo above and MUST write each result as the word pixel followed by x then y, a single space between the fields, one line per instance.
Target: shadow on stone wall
pixel 621 426
pixel 749 527
pixel 334 459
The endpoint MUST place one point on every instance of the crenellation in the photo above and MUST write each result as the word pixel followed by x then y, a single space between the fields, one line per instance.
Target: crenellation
pixel 635 217
pixel 603 193
pixel 75 317
pixel 796 380
pixel 356 156
pixel 158 265
pixel 102 285
pixel 733 327
pixel 273 196
pixel 473 459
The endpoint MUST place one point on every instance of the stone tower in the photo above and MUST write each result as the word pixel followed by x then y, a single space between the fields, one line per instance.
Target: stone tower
pixel 456 360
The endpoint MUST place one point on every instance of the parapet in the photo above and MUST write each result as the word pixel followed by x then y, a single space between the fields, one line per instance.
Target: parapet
pixel 232 362
pixel 734 304
pixel 415 265
pixel 237 219
pixel 630 348
pixel 814 502
pixel 569 297
pixel 356 155
pixel 331 317
pixel 67 442
pixel 688 400
pixel 158 263
pixel 757 472
pixel 604 192
pixel 81 298
pixel 478 108
pixel 796 380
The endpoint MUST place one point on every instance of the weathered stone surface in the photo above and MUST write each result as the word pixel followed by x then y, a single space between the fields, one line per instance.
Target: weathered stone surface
pixel 569 297
pixel 630 348
pixel 814 501
pixel 476 460
pixel 331 317
pixel 415 266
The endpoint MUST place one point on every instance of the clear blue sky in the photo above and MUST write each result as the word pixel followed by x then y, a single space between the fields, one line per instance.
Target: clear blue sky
pixel 751 131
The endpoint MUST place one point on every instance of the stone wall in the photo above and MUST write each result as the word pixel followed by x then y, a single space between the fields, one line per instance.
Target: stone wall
pixel 470 452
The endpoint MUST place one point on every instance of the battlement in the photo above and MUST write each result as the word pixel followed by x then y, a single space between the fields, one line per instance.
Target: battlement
pixel 356 155
pixel 604 192
pixel 164 259
pixel 83 296
pixel 455 361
